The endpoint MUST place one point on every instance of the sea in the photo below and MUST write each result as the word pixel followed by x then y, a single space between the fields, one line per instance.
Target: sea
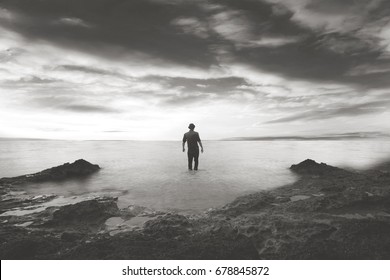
pixel 154 174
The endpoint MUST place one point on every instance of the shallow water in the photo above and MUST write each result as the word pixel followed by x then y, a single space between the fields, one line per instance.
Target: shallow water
pixel 154 174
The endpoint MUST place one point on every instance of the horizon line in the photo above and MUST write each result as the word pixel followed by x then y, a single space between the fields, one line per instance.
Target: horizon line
pixel 345 136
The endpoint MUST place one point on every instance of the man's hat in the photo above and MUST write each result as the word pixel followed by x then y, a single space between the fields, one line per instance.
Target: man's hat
pixel 191 126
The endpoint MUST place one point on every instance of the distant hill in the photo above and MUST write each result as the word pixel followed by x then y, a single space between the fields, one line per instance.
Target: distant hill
pixel 19 139
pixel 342 136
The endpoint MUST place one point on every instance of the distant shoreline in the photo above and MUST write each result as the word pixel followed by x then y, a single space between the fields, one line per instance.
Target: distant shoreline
pixel 233 139
pixel 294 138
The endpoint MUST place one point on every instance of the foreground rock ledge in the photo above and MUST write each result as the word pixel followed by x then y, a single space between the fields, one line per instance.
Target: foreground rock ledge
pixel 328 213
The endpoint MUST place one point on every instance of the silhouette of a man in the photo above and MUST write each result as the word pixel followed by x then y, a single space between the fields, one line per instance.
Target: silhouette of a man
pixel 192 138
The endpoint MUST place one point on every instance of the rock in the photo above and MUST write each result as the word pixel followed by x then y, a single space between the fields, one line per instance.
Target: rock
pixel 310 167
pixel 299 197
pixel 72 236
pixel 248 203
pixel 89 214
pixel 19 243
pixel 77 169
pixel 170 226
pixel 25 224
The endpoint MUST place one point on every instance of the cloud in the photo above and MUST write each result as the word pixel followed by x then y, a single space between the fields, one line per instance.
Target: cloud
pixel 141 26
pixel 88 109
pixel 192 25
pixel 187 99
pixel 72 22
pixel 331 15
pixel 233 26
pixel 348 45
pixel 86 69
pixel 272 36
pixel 340 111
pixel 29 80
pixel 273 41
pixel 141 62
pixel 221 86
pixel 376 67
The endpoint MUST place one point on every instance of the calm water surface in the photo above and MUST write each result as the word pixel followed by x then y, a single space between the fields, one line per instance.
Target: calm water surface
pixel 154 174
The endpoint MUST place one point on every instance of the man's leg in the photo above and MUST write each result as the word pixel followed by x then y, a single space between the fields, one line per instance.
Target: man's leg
pixel 196 158
pixel 190 157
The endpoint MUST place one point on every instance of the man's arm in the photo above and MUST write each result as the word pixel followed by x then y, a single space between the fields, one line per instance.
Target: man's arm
pixel 201 147
pixel 184 141
pixel 200 143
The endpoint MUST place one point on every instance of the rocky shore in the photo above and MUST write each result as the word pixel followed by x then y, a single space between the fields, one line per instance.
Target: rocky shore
pixel 328 213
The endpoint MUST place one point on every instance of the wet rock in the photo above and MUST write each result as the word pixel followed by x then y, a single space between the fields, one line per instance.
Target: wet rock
pixel 170 226
pixel 299 197
pixel 310 167
pixel 14 201
pixel 72 236
pixel 333 188
pixel 89 214
pixel 346 239
pixel 21 244
pixel 252 202
pixel 209 246
pixel 138 246
pixel 77 169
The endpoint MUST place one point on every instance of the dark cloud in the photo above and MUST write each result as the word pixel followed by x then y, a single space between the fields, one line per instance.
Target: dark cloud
pixel 266 19
pixel 67 101
pixel 37 80
pixel 29 81
pixel 340 111
pixel 222 86
pixel 9 54
pixel 178 91
pixel 86 69
pixel 192 33
pixel 185 99
pixel 138 25
pixel 87 108
pixel 318 58
pixel 336 6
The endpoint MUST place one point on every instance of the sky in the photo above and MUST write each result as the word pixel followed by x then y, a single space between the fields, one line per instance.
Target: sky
pixel 145 69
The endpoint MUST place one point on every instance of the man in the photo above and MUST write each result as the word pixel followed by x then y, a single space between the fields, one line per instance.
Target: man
pixel 192 139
